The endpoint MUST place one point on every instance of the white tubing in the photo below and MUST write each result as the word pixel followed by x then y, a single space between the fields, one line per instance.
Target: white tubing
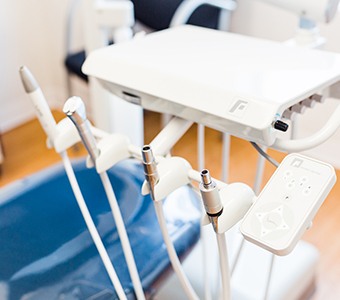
pixel 187 7
pixel 206 267
pixel 176 264
pixel 123 236
pixel 225 157
pixel 200 146
pixel 269 278
pixel 237 256
pixel 224 265
pixel 316 139
pixel 201 163
pixel 92 228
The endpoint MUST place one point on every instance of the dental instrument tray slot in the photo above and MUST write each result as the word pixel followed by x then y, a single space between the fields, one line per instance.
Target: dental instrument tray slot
pixel 132 98
pixel 226 81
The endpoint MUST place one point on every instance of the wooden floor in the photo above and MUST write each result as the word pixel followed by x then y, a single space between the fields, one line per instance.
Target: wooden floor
pixel 25 152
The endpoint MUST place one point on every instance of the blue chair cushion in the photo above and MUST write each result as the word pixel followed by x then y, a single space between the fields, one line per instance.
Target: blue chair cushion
pixel 47 253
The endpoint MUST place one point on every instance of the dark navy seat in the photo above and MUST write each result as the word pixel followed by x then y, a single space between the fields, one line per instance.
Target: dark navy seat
pixel 47 253
pixel 156 15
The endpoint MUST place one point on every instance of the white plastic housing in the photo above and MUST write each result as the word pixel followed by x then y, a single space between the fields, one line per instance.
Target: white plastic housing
pixel 236 199
pixel 112 149
pixel 288 203
pixel 67 135
pixel 173 173
pixel 44 114
pixel 232 83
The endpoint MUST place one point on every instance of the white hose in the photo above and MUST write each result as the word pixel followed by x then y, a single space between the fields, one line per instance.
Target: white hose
pixel 237 256
pixel 176 264
pixel 225 157
pixel 269 278
pixel 91 227
pixel 200 146
pixel 224 266
pixel 206 267
pixel 123 236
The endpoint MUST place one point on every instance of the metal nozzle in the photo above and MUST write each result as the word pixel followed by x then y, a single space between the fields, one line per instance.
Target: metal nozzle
pixel 147 155
pixel 206 178
pixel 74 108
pixel 210 195
pixel 28 80
pixel 150 167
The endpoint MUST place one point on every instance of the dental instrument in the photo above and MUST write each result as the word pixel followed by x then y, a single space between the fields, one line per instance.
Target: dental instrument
pixel 226 81
pixel 214 209
pixel 152 178
pixel 174 172
pixel 50 127
pixel 74 109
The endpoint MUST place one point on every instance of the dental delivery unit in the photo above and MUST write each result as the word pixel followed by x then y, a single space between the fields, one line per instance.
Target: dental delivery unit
pixel 247 87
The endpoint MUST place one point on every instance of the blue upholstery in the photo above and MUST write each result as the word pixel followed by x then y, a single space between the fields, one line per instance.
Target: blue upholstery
pixel 47 253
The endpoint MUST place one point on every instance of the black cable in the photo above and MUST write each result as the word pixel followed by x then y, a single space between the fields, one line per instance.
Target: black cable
pixel 264 154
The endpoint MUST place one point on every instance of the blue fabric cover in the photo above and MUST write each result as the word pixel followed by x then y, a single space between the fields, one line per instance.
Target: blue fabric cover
pixel 47 253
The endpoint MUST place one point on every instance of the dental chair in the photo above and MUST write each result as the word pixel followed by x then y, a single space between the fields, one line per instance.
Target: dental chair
pixel 47 252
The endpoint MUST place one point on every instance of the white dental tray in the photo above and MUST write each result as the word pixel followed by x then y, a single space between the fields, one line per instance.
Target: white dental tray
pixel 226 81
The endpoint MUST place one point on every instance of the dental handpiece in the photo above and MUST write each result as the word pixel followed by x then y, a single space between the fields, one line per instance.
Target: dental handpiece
pixel 74 108
pixel 211 198
pixel 41 107
pixel 150 167
pixel 152 177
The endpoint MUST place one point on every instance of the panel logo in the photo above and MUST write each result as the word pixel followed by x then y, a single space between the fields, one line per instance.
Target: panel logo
pixel 297 162
pixel 239 108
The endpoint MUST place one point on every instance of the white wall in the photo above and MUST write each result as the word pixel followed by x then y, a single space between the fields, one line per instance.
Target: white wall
pixel 32 34
pixel 263 20
pixel 255 18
